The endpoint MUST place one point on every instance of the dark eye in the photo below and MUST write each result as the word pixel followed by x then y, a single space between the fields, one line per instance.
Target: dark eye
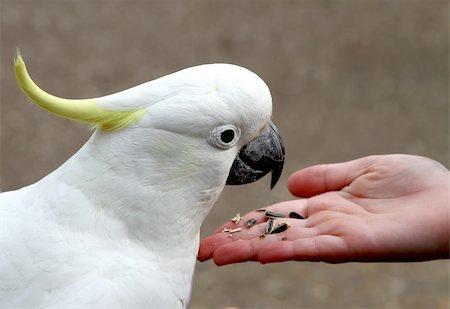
pixel 224 137
pixel 227 136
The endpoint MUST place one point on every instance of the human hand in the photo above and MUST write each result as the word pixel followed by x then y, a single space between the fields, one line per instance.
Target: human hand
pixel 377 208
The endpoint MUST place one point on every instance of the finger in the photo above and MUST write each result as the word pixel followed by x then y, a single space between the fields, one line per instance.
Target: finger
pixel 254 231
pixel 209 244
pixel 243 220
pixel 295 233
pixel 325 248
pixel 327 177
pixel 257 231
pixel 242 250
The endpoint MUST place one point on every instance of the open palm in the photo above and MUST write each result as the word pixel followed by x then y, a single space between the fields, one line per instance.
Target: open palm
pixel 377 208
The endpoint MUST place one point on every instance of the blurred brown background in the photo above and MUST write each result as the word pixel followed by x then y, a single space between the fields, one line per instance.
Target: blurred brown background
pixel 349 78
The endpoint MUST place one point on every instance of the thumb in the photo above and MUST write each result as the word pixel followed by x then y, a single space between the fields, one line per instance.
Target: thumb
pixel 327 177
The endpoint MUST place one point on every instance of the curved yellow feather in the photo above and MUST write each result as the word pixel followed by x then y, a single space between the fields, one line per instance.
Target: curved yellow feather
pixel 84 110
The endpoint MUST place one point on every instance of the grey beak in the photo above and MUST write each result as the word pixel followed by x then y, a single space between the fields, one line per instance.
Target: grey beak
pixel 262 155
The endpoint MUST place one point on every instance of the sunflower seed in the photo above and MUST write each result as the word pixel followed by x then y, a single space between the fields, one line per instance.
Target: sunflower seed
pixel 238 229
pixel 269 226
pixel 280 228
pixel 272 215
pixel 250 222
pixel 228 230
pixel 295 215
pixel 236 218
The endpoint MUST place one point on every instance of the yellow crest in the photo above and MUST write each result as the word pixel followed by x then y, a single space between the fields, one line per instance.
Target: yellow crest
pixel 84 110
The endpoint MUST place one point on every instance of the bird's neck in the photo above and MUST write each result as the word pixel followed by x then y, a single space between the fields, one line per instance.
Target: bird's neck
pixel 156 206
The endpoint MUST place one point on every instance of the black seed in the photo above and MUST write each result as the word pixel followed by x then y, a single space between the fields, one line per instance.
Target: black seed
pixel 284 238
pixel 295 215
pixel 250 222
pixel 280 228
pixel 272 215
pixel 261 209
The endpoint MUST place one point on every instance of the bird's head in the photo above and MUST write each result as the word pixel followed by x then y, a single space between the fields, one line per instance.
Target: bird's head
pixel 213 117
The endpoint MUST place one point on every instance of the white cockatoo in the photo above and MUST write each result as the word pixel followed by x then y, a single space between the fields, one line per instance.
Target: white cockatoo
pixel 117 225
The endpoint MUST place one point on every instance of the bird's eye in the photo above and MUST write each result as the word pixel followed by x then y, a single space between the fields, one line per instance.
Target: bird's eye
pixel 223 137
pixel 227 136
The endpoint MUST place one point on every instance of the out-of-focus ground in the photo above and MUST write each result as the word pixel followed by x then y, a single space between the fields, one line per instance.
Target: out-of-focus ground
pixel 348 78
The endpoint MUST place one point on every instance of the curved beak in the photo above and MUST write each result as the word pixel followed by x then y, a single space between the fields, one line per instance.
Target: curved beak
pixel 262 155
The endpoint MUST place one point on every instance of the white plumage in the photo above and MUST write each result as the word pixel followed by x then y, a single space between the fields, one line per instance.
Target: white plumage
pixel 117 225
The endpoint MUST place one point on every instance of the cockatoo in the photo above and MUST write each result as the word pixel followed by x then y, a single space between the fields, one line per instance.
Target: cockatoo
pixel 117 225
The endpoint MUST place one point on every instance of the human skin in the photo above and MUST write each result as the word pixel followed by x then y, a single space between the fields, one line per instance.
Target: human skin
pixel 377 208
